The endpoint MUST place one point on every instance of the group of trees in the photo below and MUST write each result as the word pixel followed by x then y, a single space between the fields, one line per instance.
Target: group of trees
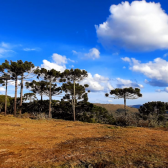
pixel 75 98
pixel 46 82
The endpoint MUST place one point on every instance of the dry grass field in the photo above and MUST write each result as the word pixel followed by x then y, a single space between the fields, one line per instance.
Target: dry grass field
pixel 58 143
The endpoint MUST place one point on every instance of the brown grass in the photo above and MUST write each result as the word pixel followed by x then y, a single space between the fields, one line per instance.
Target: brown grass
pixel 50 143
pixel 114 107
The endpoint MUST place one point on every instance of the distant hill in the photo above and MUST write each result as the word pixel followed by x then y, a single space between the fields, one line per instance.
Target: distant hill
pixel 117 108
pixel 135 106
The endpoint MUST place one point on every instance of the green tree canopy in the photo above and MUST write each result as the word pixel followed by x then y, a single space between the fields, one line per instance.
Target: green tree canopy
pixel 51 76
pixel 126 93
pixel 74 75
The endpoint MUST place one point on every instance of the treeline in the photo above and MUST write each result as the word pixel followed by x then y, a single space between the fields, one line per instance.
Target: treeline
pixel 73 104
pixel 45 83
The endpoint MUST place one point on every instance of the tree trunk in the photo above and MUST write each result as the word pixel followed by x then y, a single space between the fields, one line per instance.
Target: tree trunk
pixel 6 97
pixel 74 102
pixel 41 98
pixel 21 93
pixel 15 96
pixel 50 100
pixel 125 104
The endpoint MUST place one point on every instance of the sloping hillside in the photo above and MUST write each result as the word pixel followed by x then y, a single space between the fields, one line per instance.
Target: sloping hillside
pixel 26 143
pixel 112 108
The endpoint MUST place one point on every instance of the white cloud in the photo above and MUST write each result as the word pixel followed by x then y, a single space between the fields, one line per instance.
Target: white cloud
pixel 5 52
pixel 74 52
pixel 163 90
pixel 124 67
pixel 93 53
pixel 2 89
pixel 59 59
pixel 110 101
pixel 58 63
pixel 94 85
pixel 12 82
pixel 49 65
pixel 5 45
pixel 139 25
pixel 165 55
pixel 29 49
pixel 158 90
pixel 97 83
pixel 156 70
pixel 122 83
pixel 100 78
pixel 109 87
pixel 126 59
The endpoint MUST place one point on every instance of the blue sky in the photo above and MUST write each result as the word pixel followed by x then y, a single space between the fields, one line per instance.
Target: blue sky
pixel 119 43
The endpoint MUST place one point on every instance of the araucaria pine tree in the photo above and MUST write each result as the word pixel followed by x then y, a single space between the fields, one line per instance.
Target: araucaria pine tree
pixel 126 93
pixel 5 76
pixel 74 75
pixel 51 76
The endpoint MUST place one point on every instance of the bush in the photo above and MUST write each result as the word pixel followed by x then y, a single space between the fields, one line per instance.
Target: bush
pixel 25 115
pixel 40 116
pixel 143 123
pixel 132 119
pixel 166 125
pixel 153 123
pixel 121 121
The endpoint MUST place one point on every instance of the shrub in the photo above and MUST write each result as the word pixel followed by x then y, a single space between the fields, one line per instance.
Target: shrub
pixel 166 125
pixel 121 121
pixel 132 119
pixel 143 123
pixel 25 115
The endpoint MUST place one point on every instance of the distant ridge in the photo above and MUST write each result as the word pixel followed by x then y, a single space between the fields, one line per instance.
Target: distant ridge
pixel 135 106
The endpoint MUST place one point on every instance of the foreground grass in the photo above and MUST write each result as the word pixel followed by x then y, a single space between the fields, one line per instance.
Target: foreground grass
pixel 58 143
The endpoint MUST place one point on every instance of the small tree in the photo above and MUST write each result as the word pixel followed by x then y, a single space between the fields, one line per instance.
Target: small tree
pixel 4 79
pixel 29 96
pixel 153 108
pixel 26 70
pixel 38 87
pixel 15 69
pixel 80 93
pixel 74 75
pixel 126 93
pixel 4 102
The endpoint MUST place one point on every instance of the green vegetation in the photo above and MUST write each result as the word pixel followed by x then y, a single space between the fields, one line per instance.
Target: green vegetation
pixel 74 104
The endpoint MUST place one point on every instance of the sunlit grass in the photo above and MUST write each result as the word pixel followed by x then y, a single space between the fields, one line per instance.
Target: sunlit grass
pixel 53 143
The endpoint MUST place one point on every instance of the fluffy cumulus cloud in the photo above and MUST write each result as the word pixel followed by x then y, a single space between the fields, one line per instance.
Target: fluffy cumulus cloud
pixel 122 83
pixel 93 53
pixel 162 90
pixel 59 59
pixel 58 62
pixel 139 25
pixel 97 83
pixel 156 70
pixel 51 65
